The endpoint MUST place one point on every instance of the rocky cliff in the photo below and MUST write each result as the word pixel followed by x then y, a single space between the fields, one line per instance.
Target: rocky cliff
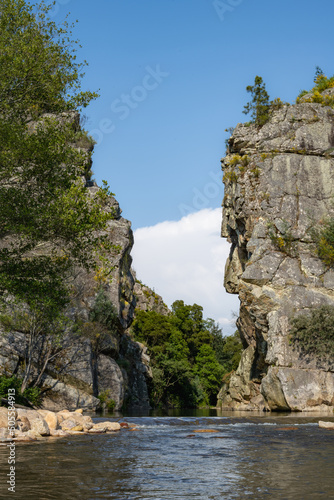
pixel 148 300
pixel 279 183
pixel 87 372
pixel 115 372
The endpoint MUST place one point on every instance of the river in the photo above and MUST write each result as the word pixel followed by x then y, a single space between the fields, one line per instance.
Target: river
pixel 256 456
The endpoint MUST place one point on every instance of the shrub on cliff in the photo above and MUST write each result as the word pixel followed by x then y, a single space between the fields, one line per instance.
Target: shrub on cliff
pixel 30 395
pixel 323 235
pixel 322 83
pixel 313 332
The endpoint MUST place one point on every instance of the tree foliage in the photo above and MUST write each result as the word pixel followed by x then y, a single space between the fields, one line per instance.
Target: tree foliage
pixel 313 332
pixel 43 329
pixel 30 395
pixel 323 235
pixel 39 69
pixel 188 355
pixel 48 223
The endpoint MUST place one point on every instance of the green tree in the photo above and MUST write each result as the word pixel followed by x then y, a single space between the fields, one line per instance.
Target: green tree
pixel 43 329
pixel 185 352
pixel 189 320
pixel 217 341
pixel 152 329
pixel 230 355
pixel 319 74
pixel 259 105
pixel 210 372
pixel 39 69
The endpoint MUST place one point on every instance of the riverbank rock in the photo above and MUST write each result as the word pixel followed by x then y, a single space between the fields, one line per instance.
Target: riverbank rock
pixel 279 184
pixel 3 417
pixel 108 426
pixel 59 433
pixel 38 424
pixel 4 434
pixel 23 424
pixel 35 420
pixel 50 418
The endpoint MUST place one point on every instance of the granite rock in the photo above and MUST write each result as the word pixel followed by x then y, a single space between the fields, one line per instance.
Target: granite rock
pixel 269 207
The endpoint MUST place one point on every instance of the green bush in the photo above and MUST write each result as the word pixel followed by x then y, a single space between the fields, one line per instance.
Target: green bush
pixel 324 239
pixel 322 83
pixel 106 400
pixel 313 332
pixel 30 395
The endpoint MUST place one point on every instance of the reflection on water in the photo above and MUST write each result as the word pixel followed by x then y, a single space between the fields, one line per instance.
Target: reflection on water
pixel 250 456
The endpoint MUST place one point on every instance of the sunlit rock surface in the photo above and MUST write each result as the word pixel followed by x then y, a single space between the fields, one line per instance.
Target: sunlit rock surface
pixel 273 197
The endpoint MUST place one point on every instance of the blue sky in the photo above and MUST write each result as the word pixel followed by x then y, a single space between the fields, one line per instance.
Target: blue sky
pixel 172 76
pixel 170 142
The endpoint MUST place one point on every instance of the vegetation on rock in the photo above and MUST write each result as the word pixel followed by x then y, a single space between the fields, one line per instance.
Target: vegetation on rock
pixel 313 333
pixel 317 93
pixel 324 238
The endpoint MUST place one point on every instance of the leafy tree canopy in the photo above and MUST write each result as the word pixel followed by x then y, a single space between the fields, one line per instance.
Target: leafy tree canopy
pixel 189 355
pixel 39 70
pixel 48 223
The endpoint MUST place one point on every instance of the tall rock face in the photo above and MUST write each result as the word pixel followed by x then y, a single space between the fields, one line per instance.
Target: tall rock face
pixel 279 183
pixel 87 372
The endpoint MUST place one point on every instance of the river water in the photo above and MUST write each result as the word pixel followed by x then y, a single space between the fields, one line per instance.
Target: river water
pixel 255 456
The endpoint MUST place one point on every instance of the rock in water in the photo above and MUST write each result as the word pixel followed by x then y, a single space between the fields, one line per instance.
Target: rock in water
pixel 326 425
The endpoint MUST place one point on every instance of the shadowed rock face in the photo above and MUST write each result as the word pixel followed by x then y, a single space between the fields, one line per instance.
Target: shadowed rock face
pixel 272 199
pixel 121 367
pixel 81 373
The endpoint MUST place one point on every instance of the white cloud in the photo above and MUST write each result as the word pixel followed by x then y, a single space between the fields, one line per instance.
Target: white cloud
pixel 185 260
